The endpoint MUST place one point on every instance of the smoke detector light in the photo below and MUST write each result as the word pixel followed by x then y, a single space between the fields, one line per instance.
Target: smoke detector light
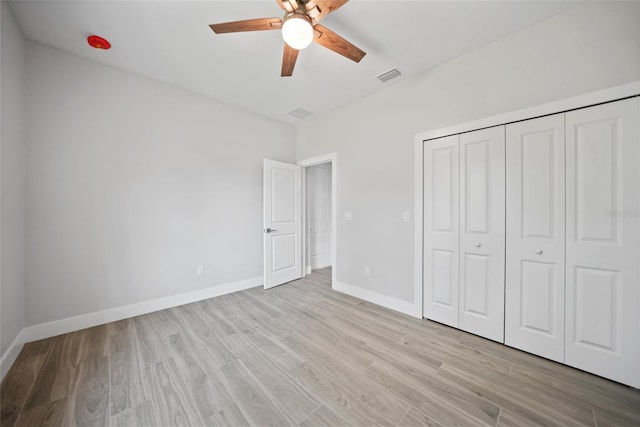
pixel 98 42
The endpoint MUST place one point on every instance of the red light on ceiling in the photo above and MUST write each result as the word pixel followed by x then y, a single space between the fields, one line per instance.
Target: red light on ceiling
pixel 98 42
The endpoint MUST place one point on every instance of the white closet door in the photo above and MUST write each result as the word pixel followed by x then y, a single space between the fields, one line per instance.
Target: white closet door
pixel 603 240
pixel 482 204
pixel 534 309
pixel 441 217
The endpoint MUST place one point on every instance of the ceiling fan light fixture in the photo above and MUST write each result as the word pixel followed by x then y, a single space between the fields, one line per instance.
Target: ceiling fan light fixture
pixel 297 30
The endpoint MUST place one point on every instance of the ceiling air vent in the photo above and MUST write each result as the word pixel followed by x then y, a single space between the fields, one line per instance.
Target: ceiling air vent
pixel 300 113
pixel 389 75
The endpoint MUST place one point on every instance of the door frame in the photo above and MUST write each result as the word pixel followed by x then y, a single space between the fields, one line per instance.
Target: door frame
pixel 305 163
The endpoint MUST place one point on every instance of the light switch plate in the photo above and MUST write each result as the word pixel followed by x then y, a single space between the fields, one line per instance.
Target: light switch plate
pixel 406 216
pixel 348 216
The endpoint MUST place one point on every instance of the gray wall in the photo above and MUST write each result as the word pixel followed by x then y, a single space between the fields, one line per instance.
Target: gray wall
pixel 12 165
pixel 133 183
pixel 587 48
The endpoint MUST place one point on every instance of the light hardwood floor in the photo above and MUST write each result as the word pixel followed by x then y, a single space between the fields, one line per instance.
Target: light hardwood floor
pixel 299 354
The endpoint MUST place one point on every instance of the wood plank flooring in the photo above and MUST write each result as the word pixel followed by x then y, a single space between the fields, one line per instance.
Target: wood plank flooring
pixel 299 355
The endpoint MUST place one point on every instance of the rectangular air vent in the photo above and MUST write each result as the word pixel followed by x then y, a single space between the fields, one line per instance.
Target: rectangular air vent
pixel 389 75
pixel 300 113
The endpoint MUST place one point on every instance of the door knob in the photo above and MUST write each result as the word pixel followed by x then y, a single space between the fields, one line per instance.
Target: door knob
pixel 478 245
pixel 270 230
pixel 539 251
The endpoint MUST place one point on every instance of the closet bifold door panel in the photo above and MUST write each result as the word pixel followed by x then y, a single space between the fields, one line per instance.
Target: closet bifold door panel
pixel 441 221
pixel 482 233
pixel 535 175
pixel 603 240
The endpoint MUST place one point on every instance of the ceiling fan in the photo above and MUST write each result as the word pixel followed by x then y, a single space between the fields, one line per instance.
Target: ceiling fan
pixel 300 26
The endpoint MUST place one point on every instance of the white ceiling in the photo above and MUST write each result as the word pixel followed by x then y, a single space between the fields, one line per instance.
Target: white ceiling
pixel 171 41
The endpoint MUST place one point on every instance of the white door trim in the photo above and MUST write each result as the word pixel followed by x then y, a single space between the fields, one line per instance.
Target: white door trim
pixel 326 158
pixel 562 105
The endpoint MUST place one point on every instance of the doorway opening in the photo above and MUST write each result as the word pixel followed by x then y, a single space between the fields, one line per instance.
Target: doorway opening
pixel 318 224
pixel 319 214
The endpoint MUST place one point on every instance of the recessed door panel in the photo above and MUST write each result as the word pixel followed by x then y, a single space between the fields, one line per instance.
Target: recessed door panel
pixel 284 245
pixel 482 198
pixel 477 176
pixel 596 308
pixel 319 243
pixel 283 193
pixel 537 163
pixel 441 224
pixel 603 240
pixel 535 185
pixel 597 166
pixel 444 165
pixel 537 302
pixel 443 276
pixel 477 285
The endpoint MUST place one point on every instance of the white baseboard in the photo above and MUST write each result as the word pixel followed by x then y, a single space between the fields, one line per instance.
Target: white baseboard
pixel 408 308
pixel 70 324
pixel 11 354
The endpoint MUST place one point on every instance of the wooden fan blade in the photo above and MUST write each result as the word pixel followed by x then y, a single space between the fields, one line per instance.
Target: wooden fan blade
pixel 260 24
pixel 327 38
pixel 328 6
pixel 288 60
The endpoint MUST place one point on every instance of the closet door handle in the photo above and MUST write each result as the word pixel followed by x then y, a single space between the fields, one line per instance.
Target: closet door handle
pixel 478 245
pixel 539 251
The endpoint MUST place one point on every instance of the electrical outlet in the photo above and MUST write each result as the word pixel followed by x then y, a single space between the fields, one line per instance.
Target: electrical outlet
pixel 367 271
pixel 200 271
pixel 348 216
pixel 406 216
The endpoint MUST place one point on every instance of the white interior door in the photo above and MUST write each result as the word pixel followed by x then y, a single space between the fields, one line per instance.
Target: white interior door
pixel 282 202
pixel 603 240
pixel 319 215
pixel 441 221
pixel 534 309
pixel 482 233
